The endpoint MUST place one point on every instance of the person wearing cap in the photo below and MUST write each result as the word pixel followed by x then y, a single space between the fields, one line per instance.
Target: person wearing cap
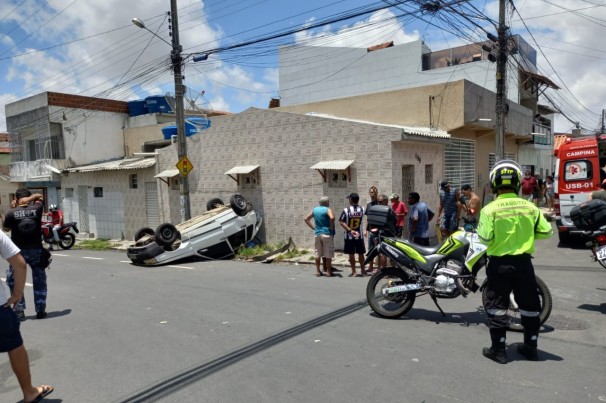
pixel 324 230
pixel 401 210
pixel 599 194
pixel 351 221
pixel 448 212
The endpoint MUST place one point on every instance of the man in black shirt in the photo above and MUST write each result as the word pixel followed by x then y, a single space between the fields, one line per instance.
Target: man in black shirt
pixel 24 222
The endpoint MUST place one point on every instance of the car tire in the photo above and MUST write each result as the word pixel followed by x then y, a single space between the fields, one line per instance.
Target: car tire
pixel 239 204
pixel 214 203
pixel 167 234
pixel 141 232
pixel 565 238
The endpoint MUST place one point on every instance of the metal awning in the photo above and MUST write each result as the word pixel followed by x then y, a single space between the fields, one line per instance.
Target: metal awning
pixel 337 165
pixel 242 169
pixel 169 173
pixel 539 79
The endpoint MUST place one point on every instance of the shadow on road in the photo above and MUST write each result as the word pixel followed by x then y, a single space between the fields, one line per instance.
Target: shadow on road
pixel 596 308
pixel 170 385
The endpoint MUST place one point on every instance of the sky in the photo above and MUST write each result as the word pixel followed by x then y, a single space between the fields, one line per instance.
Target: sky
pixel 92 48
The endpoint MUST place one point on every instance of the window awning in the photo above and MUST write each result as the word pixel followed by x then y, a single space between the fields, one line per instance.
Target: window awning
pixel 337 165
pixel 169 173
pixel 241 169
pixel 165 175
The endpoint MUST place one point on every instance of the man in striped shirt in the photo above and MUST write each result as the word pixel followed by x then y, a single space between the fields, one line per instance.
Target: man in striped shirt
pixel 351 221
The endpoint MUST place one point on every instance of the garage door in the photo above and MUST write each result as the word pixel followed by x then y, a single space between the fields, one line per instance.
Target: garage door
pixel 152 206
pixel 460 162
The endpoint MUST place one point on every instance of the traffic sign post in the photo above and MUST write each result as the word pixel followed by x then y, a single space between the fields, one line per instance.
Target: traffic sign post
pixel 184 166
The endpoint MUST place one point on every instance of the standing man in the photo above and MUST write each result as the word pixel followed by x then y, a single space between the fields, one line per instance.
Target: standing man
pixel 324 231
pixel 418 220
pixel 470 203
pixel 351 221
pixel 529 183
pixel 449 210
pixel 374 194
pixel 508 226
pixel 24 222
pixel 400 209
pixel 11 341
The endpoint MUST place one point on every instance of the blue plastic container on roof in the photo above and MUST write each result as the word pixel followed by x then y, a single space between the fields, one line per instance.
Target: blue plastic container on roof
pixel 158 104
pixel 136 108
pixel 193 125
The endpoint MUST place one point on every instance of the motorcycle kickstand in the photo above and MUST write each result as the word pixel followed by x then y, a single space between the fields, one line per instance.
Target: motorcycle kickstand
pixel 435 301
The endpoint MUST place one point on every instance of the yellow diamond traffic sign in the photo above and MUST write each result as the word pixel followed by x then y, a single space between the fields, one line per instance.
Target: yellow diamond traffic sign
pixel 184 166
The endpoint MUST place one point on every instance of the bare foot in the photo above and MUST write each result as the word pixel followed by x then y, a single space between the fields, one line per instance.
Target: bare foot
pixel 38 393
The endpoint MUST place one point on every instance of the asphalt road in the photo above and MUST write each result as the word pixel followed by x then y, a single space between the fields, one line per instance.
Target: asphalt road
pixel 232 331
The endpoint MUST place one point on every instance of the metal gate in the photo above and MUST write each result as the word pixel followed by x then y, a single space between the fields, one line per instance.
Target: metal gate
pixel 408 181
pixel 460 162
pixel 152 205
pixel 83 209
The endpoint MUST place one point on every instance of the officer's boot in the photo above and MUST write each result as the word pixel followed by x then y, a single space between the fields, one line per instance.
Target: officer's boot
pixel 529 348
pixel 496 352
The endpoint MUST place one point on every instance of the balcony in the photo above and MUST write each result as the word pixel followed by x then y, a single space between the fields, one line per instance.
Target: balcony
pixel 541 134
pixel 37 171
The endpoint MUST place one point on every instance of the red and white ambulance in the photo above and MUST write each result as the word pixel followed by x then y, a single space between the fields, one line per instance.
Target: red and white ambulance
pixel 579 170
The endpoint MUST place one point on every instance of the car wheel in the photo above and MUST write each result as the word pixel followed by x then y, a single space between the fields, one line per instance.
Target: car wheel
pixel 167 234
pixel 214 203
pixel 564 237
pixel 239 204
pixel 141 232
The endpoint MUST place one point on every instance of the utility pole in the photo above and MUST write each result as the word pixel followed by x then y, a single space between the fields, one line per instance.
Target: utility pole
pixel 501 107
pixel 177 62
pixel 603 128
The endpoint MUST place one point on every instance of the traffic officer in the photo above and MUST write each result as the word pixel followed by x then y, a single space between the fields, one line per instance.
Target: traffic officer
pixel 509 226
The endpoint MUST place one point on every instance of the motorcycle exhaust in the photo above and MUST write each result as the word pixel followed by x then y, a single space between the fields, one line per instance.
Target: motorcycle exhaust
pixel 402 288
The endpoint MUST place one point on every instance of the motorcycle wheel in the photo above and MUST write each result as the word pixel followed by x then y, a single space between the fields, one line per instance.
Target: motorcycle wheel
pixel 515 322
pixel 391 306
pixel 67 241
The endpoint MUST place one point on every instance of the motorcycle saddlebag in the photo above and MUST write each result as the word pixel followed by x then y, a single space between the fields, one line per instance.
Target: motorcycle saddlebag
pixel 590 215
pixel 383 218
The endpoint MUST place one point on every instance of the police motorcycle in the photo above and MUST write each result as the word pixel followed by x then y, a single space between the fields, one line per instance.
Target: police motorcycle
pixel 445 271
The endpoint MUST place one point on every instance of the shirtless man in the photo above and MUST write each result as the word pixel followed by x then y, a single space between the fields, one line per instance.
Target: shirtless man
pixel 471 203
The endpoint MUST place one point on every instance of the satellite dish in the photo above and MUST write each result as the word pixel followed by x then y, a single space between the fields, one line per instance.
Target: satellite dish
pixel 53 169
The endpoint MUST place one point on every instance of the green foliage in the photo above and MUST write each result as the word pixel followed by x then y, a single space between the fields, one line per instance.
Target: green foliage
pixel 94 244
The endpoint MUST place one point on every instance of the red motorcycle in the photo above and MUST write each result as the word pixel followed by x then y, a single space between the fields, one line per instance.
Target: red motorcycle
pixel 67 235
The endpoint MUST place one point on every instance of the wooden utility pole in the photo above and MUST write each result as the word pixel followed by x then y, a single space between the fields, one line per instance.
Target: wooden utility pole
pixel 501 107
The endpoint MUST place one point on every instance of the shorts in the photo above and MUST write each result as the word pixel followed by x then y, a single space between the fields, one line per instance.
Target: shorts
pixel 10 336
pixel 372 239
pixel 449 222
pixel 528 197
pixel 399 231
pixel 324 246
pixel 353 246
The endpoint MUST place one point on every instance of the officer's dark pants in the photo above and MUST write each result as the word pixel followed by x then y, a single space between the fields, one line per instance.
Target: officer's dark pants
pixel 35 260
pixel 506 274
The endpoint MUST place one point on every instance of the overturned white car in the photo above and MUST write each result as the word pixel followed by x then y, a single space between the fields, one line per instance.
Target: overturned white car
pixel 215 234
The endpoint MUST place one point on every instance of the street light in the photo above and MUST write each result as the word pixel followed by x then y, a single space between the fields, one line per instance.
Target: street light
pixel 177 62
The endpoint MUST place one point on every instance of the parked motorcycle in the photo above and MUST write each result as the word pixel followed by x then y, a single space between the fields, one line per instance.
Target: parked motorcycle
pixel 67 235
pixel 598 245
pixel 447 270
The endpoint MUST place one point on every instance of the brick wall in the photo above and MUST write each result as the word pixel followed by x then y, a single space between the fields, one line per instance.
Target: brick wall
pixel 81 102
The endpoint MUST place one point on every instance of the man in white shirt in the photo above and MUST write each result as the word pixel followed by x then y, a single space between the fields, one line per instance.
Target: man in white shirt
pixel 10 336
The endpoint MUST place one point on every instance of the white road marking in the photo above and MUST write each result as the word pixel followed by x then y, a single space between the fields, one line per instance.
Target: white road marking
pixel 182 267
pixel 60 254
pixel 125 261
pixel 92 258
pixel 27 284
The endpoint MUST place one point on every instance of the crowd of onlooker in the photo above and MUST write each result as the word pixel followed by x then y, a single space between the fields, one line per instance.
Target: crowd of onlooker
pixel 412 222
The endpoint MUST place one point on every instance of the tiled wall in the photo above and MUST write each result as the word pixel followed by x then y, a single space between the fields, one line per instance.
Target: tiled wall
pixel 286 145
pixel 121 210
